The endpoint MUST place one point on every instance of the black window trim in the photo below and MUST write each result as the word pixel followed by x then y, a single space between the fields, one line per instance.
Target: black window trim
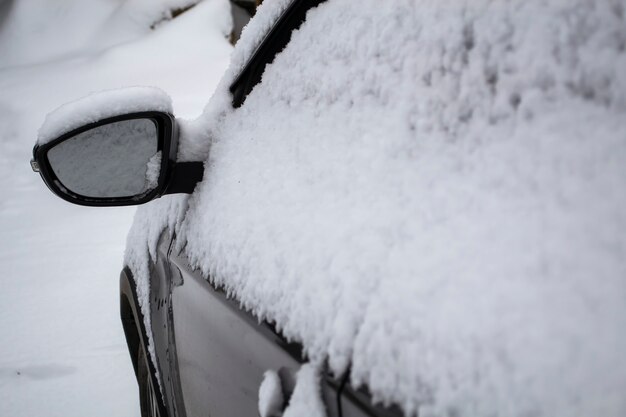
pixel 274 42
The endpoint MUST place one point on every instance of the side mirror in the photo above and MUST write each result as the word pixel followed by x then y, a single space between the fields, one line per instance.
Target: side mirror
pixel 126 159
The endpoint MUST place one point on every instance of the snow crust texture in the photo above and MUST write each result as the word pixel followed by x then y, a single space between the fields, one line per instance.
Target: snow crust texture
pixel 98 106
pixel 433 192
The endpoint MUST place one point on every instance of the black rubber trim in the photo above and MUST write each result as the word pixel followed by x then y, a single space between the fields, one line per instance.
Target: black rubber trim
pixel 274 42
pixel 185 176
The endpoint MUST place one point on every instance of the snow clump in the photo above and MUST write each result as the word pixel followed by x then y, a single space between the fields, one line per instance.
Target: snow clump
pixel 101 105
pixel 306 399
pixel 270 395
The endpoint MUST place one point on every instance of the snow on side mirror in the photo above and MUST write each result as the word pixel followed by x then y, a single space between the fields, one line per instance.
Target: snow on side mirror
pixel 122 160
pixel 113 148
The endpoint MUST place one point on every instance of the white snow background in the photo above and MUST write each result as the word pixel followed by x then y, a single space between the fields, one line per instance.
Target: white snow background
pixel 62 350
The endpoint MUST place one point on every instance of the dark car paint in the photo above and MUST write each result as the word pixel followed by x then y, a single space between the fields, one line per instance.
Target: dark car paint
pixel 134 328
pixel 223 351
pixel 211 354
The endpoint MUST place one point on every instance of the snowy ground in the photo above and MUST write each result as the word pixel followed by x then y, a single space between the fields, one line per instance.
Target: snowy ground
pixel 63 351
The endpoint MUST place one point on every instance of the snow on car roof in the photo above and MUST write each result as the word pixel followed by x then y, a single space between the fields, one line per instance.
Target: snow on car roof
pixel 432 192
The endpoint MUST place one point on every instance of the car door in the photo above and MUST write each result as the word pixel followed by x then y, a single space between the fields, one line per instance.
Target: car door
pixel 219 352
pixel 222 351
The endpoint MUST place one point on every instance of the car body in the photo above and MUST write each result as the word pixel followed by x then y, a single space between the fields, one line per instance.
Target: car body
pixel 470 335
pixel 211 354
pixel 207 355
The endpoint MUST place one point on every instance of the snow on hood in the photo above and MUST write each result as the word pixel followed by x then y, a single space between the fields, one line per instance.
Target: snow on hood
pixel 432 192
pixel 98 106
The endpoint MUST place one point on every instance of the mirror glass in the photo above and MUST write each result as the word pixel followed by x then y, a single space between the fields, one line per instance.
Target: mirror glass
pixel 119 159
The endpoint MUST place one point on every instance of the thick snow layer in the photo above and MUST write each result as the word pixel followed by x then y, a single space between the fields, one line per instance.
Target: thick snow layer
pixel 433 192
pixel 100 105
pixel 196 135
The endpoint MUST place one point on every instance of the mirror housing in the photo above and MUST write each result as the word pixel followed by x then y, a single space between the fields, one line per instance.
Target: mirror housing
pixel 169 178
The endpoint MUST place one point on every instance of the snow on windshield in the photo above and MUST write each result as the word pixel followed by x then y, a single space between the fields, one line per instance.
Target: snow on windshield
pixel 433 193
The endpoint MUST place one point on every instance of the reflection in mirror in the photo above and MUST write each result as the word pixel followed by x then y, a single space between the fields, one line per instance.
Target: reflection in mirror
pixel 119 159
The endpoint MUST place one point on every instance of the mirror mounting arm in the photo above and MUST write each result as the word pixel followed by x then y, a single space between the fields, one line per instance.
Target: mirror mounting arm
pixel 185 176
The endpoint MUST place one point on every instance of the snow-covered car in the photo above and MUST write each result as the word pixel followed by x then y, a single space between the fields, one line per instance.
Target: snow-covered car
pixel 386 208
